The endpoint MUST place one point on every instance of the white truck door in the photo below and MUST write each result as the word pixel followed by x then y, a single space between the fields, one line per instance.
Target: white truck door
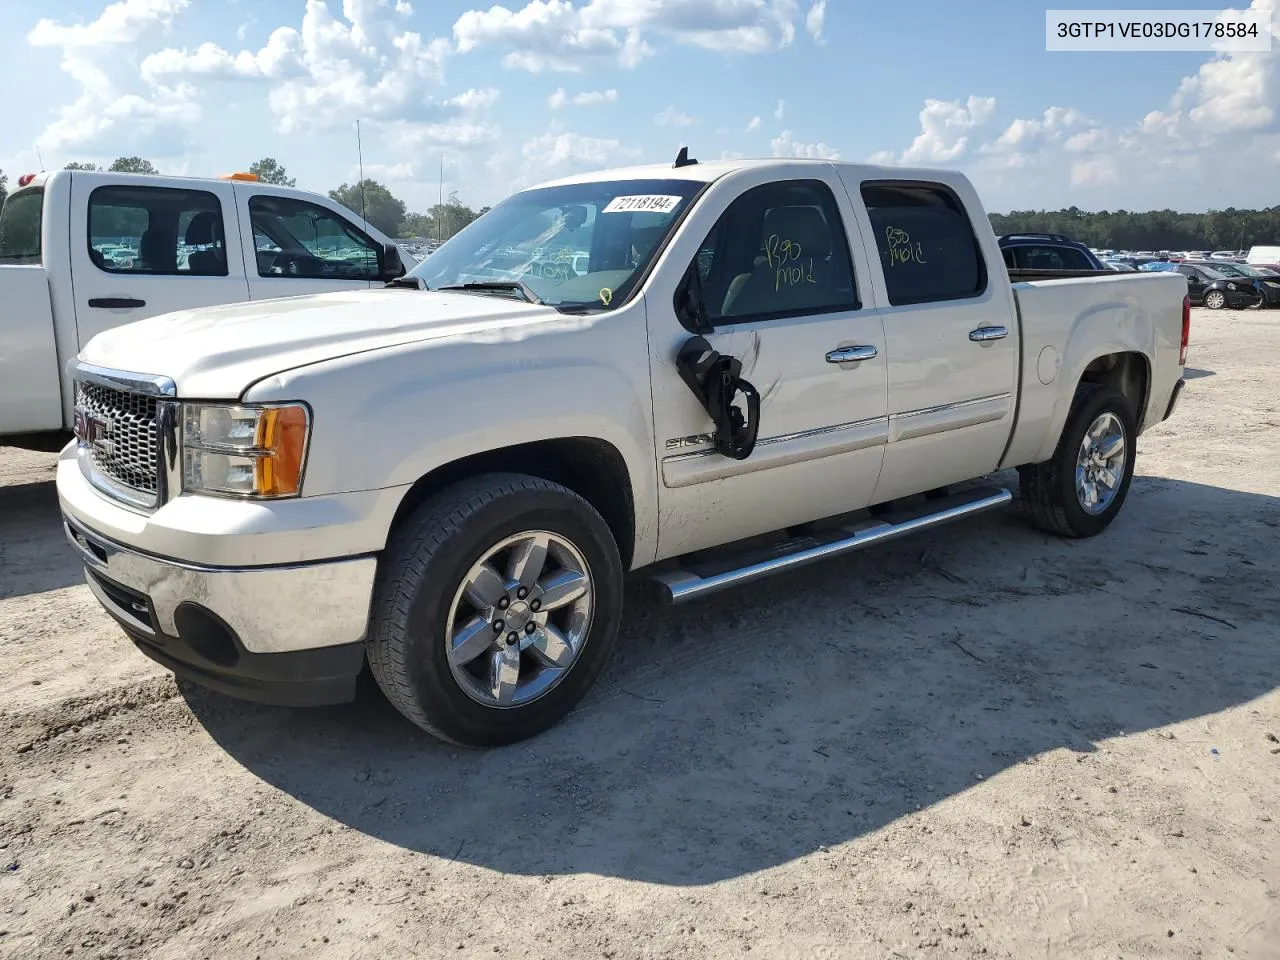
pixel 950 330
pixel 30 400
pixel 782 287
pixel 296 244
pixel 139 250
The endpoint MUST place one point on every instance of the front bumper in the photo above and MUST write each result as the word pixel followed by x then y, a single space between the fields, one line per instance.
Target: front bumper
pixel 1242 299
pixel 284 634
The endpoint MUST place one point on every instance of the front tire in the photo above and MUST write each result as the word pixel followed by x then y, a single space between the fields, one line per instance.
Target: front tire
pixel 1080 490
pixel 496 605
pixel 1215 300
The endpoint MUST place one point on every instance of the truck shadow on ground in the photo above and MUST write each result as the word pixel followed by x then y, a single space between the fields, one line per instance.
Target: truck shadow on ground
pixel 761 725
pixel 33 561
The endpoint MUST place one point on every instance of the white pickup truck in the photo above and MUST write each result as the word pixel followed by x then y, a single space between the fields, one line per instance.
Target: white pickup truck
pixel 84 251
pixel 763 364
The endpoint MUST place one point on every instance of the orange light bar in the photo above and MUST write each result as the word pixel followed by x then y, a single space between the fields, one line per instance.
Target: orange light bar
pixel 252 177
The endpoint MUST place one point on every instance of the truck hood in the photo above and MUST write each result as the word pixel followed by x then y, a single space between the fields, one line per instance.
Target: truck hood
pixel 216 352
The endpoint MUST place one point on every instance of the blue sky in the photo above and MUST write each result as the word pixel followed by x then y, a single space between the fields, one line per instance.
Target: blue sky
pixel 512 94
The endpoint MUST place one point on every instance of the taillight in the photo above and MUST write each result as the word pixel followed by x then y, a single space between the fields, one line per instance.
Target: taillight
pixel 25 179
pixel 1186 331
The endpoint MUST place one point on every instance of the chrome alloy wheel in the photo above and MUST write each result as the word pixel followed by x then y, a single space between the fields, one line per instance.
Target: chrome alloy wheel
pixel 519 619
pixel 1100 464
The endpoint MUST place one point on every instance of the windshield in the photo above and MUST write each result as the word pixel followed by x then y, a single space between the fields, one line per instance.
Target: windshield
pixel 20 227
pixel 1213 274
pixel 579 246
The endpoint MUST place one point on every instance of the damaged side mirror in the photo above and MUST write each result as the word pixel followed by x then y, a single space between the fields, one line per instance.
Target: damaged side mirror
pixel 691 307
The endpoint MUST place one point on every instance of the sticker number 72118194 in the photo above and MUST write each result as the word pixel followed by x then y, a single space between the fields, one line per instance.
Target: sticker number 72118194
pixel 647 203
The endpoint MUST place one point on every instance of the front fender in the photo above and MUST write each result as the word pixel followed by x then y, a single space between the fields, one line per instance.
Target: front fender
pixel 387 418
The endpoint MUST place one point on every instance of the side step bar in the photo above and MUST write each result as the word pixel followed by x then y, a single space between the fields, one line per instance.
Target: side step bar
pixel 682 585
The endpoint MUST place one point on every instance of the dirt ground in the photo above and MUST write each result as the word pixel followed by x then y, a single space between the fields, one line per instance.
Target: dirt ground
pixel 979 743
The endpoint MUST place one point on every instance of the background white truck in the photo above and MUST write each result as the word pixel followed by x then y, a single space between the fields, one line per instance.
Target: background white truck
pixel 85 251
pixel 764 363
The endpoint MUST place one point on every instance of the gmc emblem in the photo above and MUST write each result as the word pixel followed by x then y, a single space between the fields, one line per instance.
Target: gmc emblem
pixel 95 433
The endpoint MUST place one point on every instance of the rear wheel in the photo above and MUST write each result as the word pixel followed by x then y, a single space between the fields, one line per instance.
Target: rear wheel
pixel 1080 490
pixel 1215 300
pixel 496 606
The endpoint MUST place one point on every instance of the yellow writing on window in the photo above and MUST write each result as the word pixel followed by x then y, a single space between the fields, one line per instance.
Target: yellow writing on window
pixel 901 248
pixel 783 257
pixel 606 295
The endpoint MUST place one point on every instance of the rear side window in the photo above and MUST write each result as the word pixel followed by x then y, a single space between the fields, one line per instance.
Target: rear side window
pixel 20 227
pixel 157 230
pixel 1050 258
pixel 927 246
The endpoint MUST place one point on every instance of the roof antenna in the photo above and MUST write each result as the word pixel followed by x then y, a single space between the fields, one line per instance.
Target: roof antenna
pixel 41 159
pixel 682 159
pixel 360 158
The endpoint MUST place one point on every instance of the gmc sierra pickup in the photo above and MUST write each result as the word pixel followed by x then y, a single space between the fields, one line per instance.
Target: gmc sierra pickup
pixel 756 365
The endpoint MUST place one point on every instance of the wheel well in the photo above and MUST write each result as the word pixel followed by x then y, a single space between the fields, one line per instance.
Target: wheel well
pixel 591 468
pixel 1129 373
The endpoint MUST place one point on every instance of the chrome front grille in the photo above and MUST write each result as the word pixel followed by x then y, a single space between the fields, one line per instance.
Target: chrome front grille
pixel 118 429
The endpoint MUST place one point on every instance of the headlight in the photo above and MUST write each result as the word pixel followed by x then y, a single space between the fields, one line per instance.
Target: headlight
pixel 1233 286
pixel 244 451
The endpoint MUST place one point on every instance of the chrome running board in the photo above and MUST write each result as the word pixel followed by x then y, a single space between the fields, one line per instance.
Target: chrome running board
pixel 694 580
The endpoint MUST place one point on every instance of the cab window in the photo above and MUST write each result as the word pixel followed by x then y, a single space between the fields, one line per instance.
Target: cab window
pixel 20 219
pixel 294 239
pixel 928 250
pixel 779 250
pixel 157 230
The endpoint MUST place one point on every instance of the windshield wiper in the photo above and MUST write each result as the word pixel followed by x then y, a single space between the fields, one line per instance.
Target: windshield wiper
pixel 413 283
pixel 497 286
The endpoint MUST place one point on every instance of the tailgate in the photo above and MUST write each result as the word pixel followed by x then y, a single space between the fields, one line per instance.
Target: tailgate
pixel 30 382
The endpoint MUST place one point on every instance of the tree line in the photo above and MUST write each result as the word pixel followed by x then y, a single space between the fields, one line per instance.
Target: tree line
pixel 1229 229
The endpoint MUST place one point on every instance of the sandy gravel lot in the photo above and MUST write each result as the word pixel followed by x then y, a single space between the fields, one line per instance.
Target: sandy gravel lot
pixel 981 743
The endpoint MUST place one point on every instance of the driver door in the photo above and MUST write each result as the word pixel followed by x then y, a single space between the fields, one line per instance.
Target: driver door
pixel 781 285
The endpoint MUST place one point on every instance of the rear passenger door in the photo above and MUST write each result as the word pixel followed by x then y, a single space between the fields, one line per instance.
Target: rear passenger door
pixel 294 246
pixel 950 333
pixel 139 250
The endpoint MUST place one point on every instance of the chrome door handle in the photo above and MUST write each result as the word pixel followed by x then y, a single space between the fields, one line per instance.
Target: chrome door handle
pixel 851 354
pixel 983 334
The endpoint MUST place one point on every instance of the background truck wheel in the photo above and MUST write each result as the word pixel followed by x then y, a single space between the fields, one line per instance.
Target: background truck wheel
pixel 496 605
pixel 1080 490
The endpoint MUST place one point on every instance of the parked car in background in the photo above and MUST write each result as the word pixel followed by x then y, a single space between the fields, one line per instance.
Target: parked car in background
pixel 1207 287
pixel 82 252
pixel 1119 266
pixel 1267 284
pixel 1046 251
pixel 1264 256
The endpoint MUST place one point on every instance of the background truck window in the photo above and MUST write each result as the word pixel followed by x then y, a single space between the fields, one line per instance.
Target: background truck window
pixel 20 220
pixel 157 230
pixel 300 240
pixel 928 249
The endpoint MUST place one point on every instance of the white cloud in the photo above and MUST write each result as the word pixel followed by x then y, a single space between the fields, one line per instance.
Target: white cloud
pixel 554 151
pixel 945 127
pixel 753 124
pixel 119 23
pixel 587 98
pixel 780 110
pixel 1097 172
pixel 673 117
pixel 330 70
pixel 108 116
pixel 815 20
pixel 785 145
pixel 556 35
pixel 387 172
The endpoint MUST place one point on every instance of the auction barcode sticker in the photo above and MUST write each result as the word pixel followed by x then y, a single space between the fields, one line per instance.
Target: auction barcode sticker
pixel 647 203
pixel 1225 31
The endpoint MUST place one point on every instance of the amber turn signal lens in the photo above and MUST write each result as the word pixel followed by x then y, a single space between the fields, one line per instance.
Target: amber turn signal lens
pixel 282 440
